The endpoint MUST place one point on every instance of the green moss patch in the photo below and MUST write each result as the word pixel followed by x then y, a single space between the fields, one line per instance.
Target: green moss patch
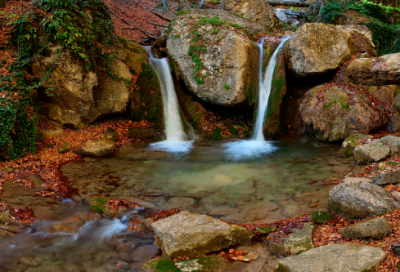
pixel 96 203
pixel 205 264
pixel 320 217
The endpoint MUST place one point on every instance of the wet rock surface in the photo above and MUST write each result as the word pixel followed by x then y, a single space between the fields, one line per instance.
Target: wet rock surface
pixel 336 257
pixel 97 148
pixel 360 199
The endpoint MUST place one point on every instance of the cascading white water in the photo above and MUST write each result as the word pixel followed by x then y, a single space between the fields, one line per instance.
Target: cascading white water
pixel 257 145
pixel 177 141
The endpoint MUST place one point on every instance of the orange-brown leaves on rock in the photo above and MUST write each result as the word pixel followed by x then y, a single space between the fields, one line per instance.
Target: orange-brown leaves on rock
pixel 21 216
pixel 164 214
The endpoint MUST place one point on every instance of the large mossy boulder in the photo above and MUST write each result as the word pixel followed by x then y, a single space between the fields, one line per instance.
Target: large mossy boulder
pixel 193 235
pixel 384 70
pixel 360 199
pixel 315 49
pixel 257 11
pixel 351 143
pixel 376 228
pixel 362 37
pixel 335 111
pixel 213 53
pixel 336 258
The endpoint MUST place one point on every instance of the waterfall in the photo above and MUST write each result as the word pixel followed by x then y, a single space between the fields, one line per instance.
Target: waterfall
pixel 257 145
pixel 177 140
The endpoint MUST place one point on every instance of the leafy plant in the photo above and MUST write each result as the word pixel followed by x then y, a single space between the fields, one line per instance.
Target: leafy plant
pixel 227 87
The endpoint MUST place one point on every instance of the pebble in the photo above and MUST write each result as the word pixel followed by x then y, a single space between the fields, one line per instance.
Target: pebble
pixel 28 261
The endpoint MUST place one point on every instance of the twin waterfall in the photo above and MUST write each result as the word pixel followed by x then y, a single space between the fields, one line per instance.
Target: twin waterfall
pixel 257 145
pixel 177 141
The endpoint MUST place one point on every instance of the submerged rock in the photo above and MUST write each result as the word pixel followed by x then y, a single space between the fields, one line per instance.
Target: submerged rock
pixel 333 112
pixel 316 49
pixel 376 228
pixel 392 177
pixel 97 148
pixel 298 241
pixel 224 71
pixel 360 199
pixel 337 257
pixel 350 143
pixel 192 235
pixel 384 70
pixel 111 134
pixel 371 152
pixel 142 133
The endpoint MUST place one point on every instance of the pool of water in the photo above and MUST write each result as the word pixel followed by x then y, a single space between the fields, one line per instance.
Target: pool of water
pixel 284 182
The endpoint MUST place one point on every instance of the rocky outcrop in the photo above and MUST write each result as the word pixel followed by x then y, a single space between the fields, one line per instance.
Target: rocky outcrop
pixel 384 94
pixel 371 152
pixel 392 177
pixel 257 11
pixel 316 49
pixel 193 235
pixel 214 55
pixel 336 257
pixel 333 112
pixel 298 241
pixel 384 70
pixel 360 199
pixel 376 228
pixel 76 97
pixel 350 143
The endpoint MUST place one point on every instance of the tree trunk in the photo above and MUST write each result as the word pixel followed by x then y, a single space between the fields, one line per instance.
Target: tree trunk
pixel 289 3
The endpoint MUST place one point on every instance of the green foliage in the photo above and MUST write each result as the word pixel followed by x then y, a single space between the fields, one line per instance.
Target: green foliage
pixel 98 204
pixel 227 87
pixel 217 134
pixel 72 28
pixel 385 36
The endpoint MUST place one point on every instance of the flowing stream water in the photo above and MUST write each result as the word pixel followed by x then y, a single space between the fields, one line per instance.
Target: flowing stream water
pixel 177 140
pixel 257 145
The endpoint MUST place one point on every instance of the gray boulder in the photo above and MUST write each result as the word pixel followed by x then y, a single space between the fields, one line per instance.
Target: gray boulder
pixel 97 148
pixel 257 11
pixel 315 49
pixel 360 199
pixel 371 152
pixel 335 258
pixel 225 70
pixel 392 177
pixel 189 234
pixel 393 142
pixel 376 228
pixel 384 70
pixel 298 241
pixel 350 143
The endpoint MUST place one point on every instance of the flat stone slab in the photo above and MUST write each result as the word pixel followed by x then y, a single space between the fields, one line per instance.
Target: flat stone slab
pixel 192 235
pixel 334 258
